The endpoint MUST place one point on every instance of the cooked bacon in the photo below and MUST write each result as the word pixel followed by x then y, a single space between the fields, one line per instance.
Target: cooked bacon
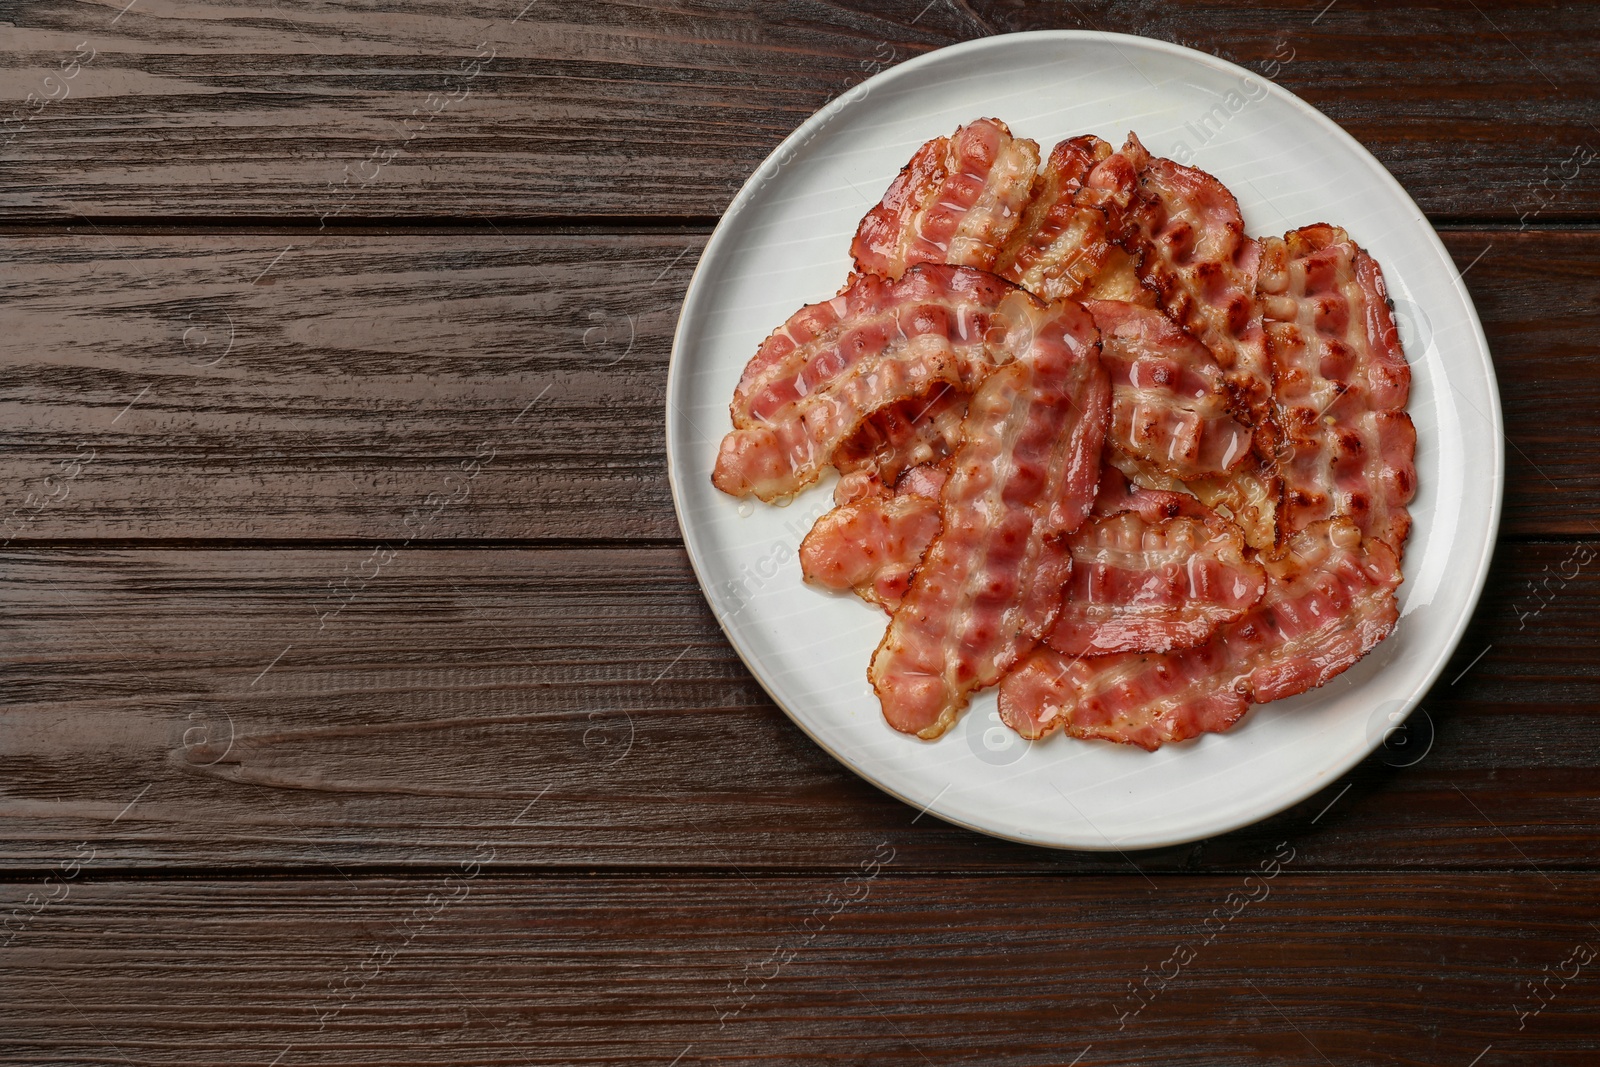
pixel 834 364
pixel 1152 571
pixel 1110 615
pixel 1328 602
pixel 1189 233
pixel 1135 698
pixel 980 199
pixel 1169 400
pixel 1062 245
pixel 1117 494
pixel 1194 253
pixel 1024 477
pixel 960 200
pixel 905 435
pixel 1151 586
pixel 1342 385
pixel 871 546
pixel 873 541
pixel 1242 394
pixel 1247 496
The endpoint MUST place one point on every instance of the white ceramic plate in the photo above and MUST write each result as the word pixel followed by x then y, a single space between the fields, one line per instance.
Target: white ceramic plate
pixel 784 242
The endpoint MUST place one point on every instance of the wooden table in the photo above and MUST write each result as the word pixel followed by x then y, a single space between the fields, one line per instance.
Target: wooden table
pixel 360 705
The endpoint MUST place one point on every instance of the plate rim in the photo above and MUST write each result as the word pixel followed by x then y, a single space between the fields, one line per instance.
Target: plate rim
pixel 769 166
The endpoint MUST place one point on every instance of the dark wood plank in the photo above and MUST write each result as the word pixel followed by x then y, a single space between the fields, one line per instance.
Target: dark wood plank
pixel 365 369
pixel 580 708
pixel 878 967
pixel 628 109
pixel 1501 59
pixel 268 387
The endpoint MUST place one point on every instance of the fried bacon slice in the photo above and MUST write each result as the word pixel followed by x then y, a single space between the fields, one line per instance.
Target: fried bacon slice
pixel 1328 602
pixel 1247 496
pixel 1024 478
pixel 980 199
pixel 1061 245
pixel 1144 583
pixel 1342 385
pixel 1152 571
pixel 1193 251
pixel 871 544
pixel 960 201
pixel 834 364
pixel 1169 401
pixel 908 434
pixel 1189 232
pixel 1117 494
pixel 1063 249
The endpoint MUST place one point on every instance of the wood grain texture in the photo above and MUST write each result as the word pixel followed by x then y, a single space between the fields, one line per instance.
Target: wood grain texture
pixel 580 708
pixel 364 369
pixel 264 387
pixel 880 967
pixel 614 109
pixel 357 708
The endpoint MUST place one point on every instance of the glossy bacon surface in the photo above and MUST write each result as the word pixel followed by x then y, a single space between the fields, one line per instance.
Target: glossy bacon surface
pixel 1249 399
pixel 1051 234
pixel 1024 478
pixel 1342 385
pixel 1117 494
pixel 834 364
pixel 960 200
pixel 905 435
pixel 1144 585
pixel 1247 496
pixel 1063 247
pixel 1152 570
pixel 871 544
pixel 1328 602
pixel 1194 253
pixel 1169 398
